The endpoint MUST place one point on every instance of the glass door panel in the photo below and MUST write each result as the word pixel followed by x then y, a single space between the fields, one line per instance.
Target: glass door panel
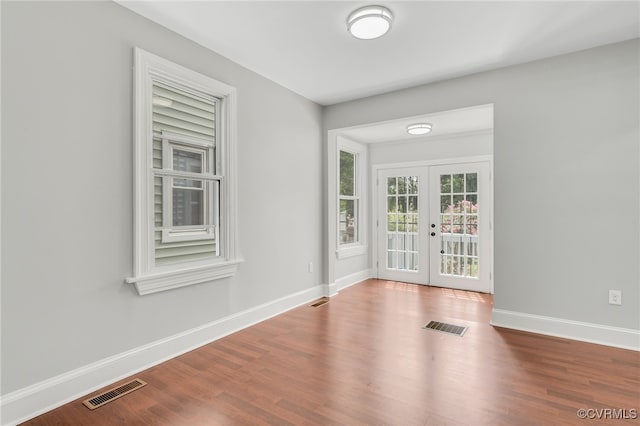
pixel 402 249
pixel 459 224
pixel 460 214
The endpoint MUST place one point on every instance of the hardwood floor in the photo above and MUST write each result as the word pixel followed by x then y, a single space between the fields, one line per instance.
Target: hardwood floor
pixel 363 358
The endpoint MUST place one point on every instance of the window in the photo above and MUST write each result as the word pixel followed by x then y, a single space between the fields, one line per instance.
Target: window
pixel 351 202
pixel 191 208
pixel 185 200
pixel 348 217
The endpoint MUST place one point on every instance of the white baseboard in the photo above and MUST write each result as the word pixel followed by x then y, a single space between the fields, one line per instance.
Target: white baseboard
pixel 24 404
pixel 331 290
pixel 351 279
pixel 624 338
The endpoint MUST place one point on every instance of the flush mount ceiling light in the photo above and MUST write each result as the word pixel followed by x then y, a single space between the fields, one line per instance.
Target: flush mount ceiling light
pixel 369 22
pixel 419 128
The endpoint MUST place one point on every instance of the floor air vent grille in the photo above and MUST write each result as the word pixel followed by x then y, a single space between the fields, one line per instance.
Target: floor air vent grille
pixel 319 302
pixel 446 328
pixel 111 394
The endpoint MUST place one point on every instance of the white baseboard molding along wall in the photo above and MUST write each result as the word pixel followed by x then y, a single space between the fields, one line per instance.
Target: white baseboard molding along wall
pixel 618 337
pixel 31 401
pixel 347 281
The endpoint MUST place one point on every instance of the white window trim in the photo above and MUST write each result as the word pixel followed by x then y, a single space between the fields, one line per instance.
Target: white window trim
pixel 147 277
pixel 359 247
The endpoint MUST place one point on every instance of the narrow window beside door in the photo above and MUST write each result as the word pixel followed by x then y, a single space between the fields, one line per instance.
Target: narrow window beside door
pixel 351 235
pixel 349 200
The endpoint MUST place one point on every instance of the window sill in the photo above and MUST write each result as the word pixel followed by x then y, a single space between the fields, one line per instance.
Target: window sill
pixel 351 251
pixel 161 281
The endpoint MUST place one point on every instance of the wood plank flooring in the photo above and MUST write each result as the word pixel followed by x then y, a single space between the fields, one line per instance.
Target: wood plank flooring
pixel 364 359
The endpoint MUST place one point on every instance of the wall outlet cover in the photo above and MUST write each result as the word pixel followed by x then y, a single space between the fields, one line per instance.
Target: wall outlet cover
pixel 615 297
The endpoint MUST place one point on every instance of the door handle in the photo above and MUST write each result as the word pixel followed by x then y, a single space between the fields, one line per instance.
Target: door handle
pixel 433 234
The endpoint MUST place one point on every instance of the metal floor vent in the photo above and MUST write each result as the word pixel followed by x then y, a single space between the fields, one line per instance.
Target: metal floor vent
pixel 320 302
pixel 446 328
pixel 111 394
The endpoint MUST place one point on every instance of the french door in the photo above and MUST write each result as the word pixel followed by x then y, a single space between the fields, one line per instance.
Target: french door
pixel 434 225
pixel 403 253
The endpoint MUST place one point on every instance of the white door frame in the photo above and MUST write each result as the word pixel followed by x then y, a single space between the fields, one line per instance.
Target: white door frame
pixel 375 200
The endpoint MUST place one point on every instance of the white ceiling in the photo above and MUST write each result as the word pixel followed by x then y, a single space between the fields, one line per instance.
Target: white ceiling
pixel 304 45
pixel 457 121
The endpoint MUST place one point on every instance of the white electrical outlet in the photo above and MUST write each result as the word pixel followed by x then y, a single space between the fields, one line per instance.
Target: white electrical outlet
pixel 310 267
pixel 615 297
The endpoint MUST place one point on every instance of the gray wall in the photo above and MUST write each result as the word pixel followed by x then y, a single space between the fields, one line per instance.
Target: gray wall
pixel 67 190
pixel 426 149
pixel 567 187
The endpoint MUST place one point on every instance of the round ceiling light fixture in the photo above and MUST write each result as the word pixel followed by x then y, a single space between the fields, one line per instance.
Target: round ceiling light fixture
pixel 369 22
pixel 419 128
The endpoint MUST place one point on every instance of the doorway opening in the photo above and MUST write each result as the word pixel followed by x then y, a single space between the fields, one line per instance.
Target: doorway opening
pixel 433 225
pixel 408 187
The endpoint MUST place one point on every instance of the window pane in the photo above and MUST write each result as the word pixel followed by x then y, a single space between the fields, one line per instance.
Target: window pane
pixel 402 204
pixel 413 204
pixel 473 203
pixel 445 204
pixel 458 183
pixel 391 241
pixel 191 215
pixel 347 173
pixel 188 207
pixel 401 242
pixel 186 183
pixel 391 259
pixel 472 182
pixel 412 182
pixel 391 204
pixel 410 242
pixel 402 185
pixel 412 223
pixel 187 161
pixel 458 222
pixel 445 184
pixel 414 243
pixel 347 221
pixel 391 186
pixel 392 220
